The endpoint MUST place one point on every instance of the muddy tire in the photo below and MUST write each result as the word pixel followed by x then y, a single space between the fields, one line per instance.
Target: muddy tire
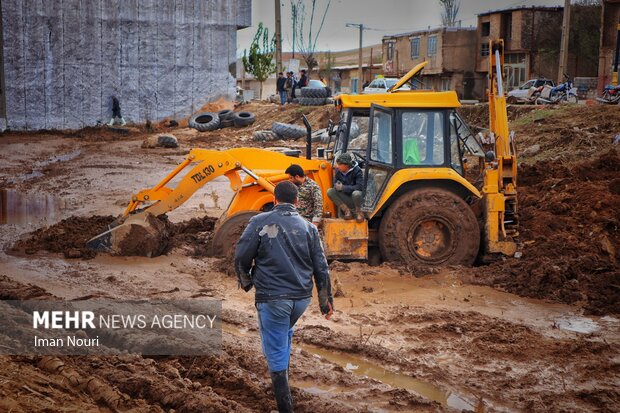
pixel 314 92
pixel 225 114
pixel 430 227
pixel 227 233
pixel 511 100
pixel 227 123
pixel 243 119
pixel 311 101
pixel 167 141
pixel 288 131
pixel 206 121
pixel 264 135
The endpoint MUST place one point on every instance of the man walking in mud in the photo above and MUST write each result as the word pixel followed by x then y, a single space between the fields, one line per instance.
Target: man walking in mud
pixel 279 253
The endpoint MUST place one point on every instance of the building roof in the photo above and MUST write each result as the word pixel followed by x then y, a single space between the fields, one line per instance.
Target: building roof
pixel 364 66
pixel 533 8
pixel 429 30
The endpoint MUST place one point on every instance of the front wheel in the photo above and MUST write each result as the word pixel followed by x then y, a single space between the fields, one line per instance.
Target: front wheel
pixel 431 227
pixel 228 231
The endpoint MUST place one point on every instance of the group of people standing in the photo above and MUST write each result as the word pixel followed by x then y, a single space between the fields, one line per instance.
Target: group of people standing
pixel 286 86
pixel 280 254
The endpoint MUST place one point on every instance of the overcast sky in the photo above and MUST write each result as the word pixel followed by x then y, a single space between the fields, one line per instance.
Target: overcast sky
pixel 382 17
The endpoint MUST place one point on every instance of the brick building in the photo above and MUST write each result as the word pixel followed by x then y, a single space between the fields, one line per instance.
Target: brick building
pixel 531 42
pixel 450 55
pixel 610 20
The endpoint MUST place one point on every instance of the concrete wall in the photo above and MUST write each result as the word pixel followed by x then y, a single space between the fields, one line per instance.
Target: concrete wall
pixel 63 60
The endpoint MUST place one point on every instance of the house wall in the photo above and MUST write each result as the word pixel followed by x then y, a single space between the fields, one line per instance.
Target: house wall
pixel 63 60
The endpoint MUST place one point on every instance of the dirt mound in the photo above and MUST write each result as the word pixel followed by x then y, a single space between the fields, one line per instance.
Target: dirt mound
pixel 68 237
pixel 570 229
pixel 194 237
pixel 477 116
pixel 13 290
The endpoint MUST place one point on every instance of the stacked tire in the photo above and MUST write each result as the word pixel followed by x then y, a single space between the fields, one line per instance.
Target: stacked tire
pixel 209 121
pixel 313 96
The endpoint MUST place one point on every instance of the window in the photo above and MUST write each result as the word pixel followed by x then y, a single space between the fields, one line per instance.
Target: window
pixel 381 138
pixel 507 26
pixel 390 50
pixel 445 84
pixel 423 138
pixel 484 49
pixel 485 29
pixel 432 45
pixel 415 47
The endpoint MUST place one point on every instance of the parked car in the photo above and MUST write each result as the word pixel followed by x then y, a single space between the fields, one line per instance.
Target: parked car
pixel 382 84
pixel 523 93
pixel 317 84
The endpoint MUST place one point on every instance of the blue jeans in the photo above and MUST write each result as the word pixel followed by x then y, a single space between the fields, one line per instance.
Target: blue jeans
pixel 276 320
pixel 282 97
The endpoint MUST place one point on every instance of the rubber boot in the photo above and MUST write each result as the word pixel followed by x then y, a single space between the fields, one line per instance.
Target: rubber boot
pixel 359 215
pixel 346 212
pixel 282 391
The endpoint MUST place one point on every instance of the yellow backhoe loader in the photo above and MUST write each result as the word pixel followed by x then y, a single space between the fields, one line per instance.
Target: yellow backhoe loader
pixel 411 145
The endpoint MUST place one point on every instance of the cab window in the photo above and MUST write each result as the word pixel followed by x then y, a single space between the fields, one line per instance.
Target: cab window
pixel 381 138
pixel 423 138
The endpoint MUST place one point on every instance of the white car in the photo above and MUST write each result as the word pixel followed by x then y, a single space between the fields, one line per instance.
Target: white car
pixel 524 92
pixel 382 84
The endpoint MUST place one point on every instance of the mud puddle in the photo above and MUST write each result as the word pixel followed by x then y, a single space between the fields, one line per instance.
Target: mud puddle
pixel 19 208
pixel 362 367
pixel 39 167
pixel 577 324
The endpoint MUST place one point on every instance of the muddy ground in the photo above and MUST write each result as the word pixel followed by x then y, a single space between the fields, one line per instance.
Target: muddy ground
pixel 538 333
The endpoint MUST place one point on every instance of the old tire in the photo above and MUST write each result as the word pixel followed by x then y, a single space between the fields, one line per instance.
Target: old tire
pixel 241 119
pixel 205 121
pixel 314 92
pixel 288 131
pixel 228 231
pixel 225 114
pixel 167 141
pixel 227 123
pixel 264 135
pixel 511 100
pixel 311 101
pixel 430 227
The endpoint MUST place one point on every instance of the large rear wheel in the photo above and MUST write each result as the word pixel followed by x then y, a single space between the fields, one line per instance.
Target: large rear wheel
pixel 228 232
pixel 431 227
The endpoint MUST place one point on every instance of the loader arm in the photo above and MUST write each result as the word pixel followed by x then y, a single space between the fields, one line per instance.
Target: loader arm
pixel 138 232
pixel 209 164
pixel 500 176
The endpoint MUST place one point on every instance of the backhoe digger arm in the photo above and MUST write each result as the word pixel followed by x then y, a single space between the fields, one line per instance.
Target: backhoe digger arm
pixel 209 165
pixel 500 177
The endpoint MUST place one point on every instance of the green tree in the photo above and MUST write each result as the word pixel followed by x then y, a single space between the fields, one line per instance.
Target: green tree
pixel 259 61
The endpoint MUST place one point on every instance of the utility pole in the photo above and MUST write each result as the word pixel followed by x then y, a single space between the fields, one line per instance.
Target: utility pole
pixel 360 72
pixel 564 42
pixel 278 37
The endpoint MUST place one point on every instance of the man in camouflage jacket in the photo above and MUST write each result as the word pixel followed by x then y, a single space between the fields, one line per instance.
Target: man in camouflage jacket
pixel 310 196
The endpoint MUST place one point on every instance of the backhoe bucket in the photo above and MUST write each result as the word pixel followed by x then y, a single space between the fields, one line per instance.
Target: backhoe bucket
pixel 140 234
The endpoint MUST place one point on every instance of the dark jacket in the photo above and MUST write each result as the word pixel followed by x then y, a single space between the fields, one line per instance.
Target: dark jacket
pixel 278 253
pixel 303 81
pixel 352 180
pixel 280 84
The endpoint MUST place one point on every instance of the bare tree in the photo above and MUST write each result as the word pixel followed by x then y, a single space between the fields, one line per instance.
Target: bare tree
pixel 449 12
pixel 303 36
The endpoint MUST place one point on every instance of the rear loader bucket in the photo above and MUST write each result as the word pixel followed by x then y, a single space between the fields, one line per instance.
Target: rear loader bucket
pixel 142 234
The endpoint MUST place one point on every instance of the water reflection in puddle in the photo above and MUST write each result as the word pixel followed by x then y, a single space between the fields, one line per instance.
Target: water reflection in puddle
pixel 359 366
pixel 19 208
pixel 577 324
